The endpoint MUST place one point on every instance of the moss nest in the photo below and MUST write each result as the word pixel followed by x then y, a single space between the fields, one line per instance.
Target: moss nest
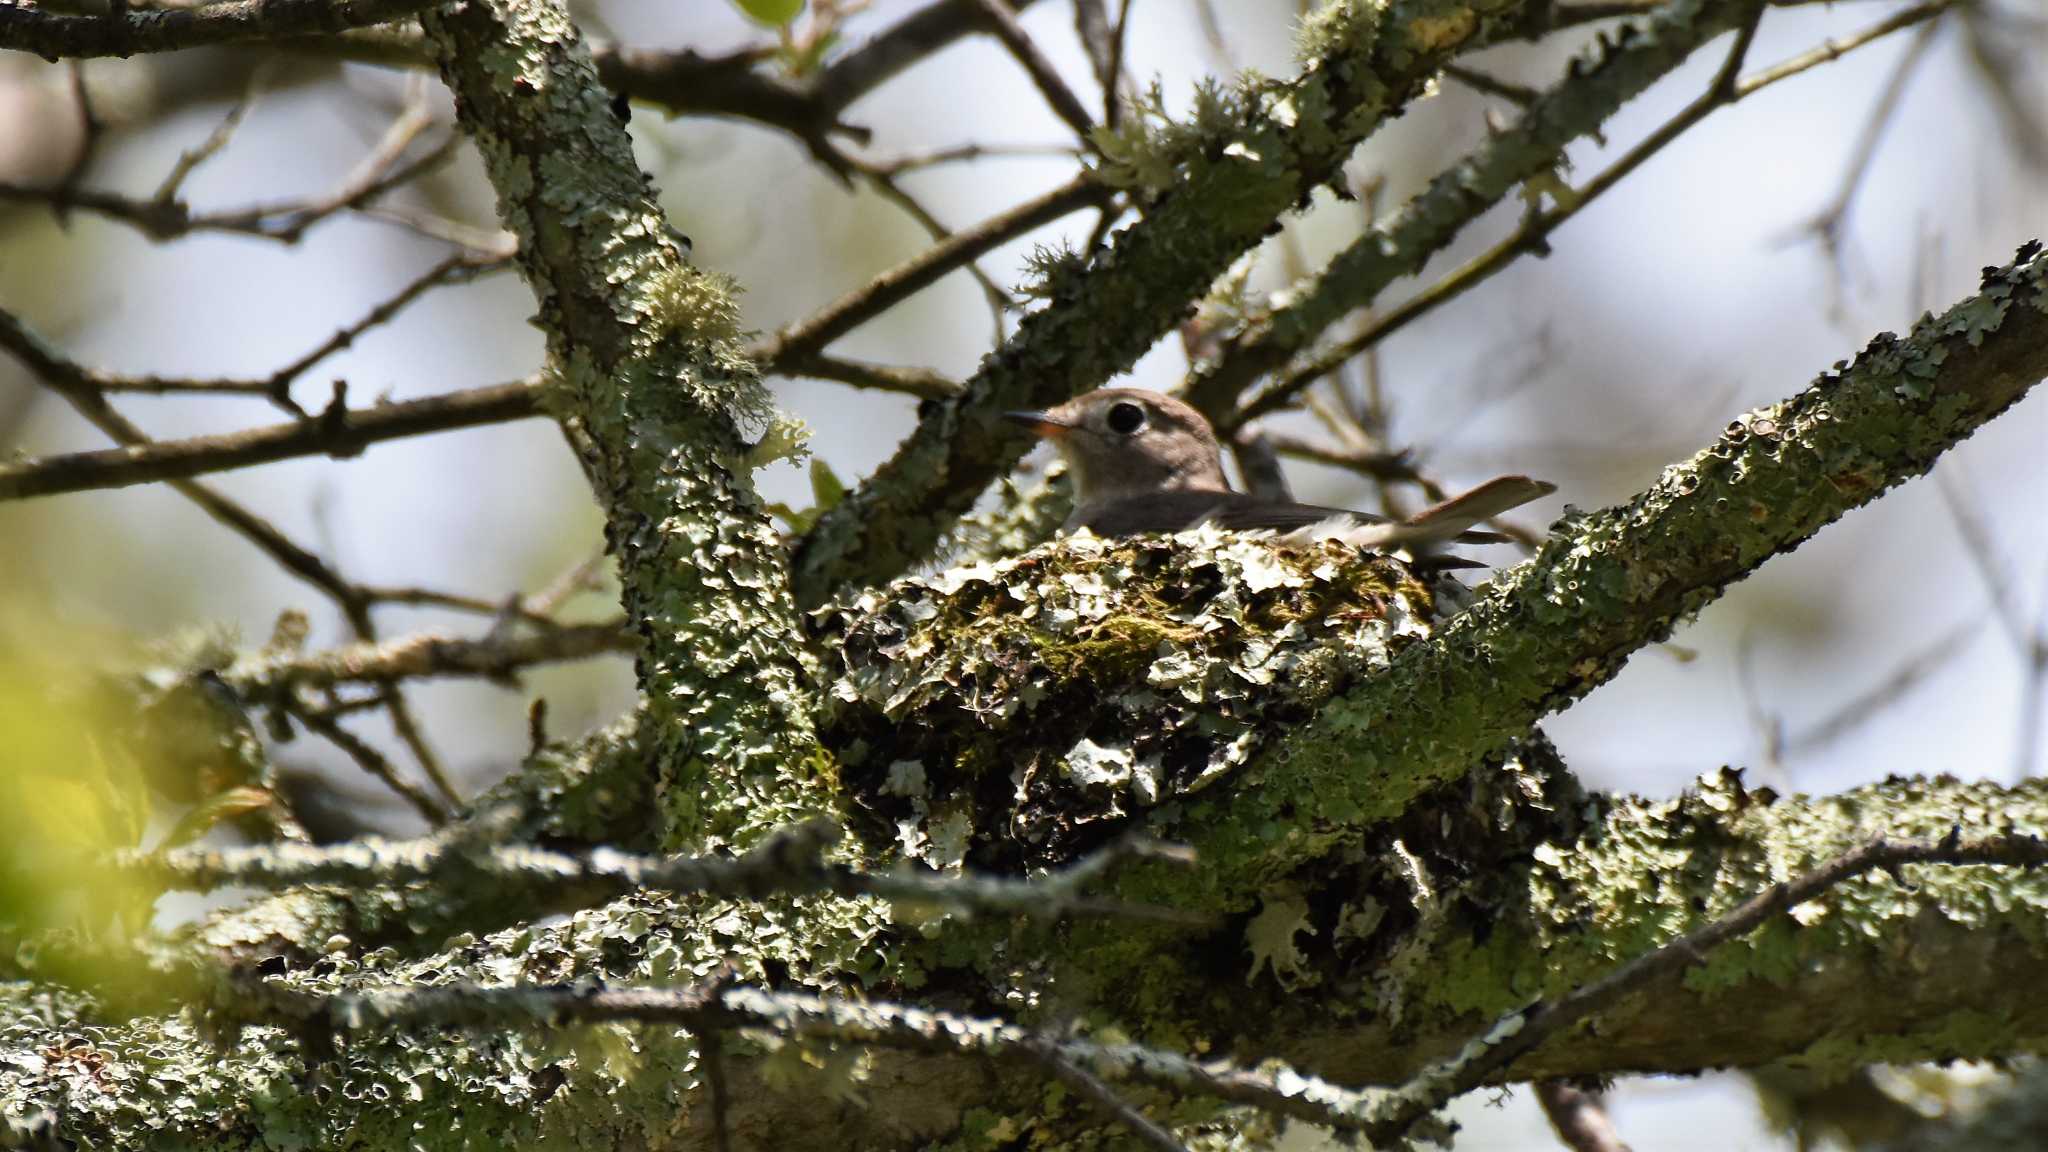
pixel 1010 714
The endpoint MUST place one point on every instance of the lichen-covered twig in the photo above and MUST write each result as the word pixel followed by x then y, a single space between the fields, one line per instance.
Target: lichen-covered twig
pixel 426 654
pixel 788 862
pixel 713 1007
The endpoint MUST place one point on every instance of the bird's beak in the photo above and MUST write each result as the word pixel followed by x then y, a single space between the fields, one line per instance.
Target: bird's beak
pixel 1040 423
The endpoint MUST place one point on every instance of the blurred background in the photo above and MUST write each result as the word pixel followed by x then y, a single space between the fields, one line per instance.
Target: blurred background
pixel 1726 273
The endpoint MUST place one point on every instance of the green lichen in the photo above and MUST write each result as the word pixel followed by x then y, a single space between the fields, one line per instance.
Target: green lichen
pixel 648 364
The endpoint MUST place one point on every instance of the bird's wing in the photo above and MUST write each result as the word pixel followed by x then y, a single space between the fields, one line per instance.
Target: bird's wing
pixel 1181 509
pixel 1343 524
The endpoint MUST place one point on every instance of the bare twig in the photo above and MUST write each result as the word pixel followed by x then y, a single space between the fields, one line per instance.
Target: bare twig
pixel 711 1054
pixel 1047 78
pixel 25 28
pixel 1112 86
pixel 922 383
pixel 891 189
pixel 1123 1111
pixel 189 160
pixel 284 221
pixel 337 431
pixel 372 761
pixel 1828 224
pixel 1098 40
pixel 1520 95
pixel 871 299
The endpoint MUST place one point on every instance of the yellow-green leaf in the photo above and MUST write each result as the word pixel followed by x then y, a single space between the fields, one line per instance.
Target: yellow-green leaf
pixel 773 13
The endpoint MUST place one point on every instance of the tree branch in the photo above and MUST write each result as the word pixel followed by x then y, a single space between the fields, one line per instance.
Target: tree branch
pixel 1610 582
pixel 647 365
pixel 1220 191
pixel 25 28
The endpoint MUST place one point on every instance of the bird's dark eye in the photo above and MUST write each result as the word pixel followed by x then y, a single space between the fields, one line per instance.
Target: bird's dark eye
pixel 1125 418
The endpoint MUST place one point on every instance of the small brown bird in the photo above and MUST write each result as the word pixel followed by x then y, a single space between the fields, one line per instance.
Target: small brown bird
pixel 1145 462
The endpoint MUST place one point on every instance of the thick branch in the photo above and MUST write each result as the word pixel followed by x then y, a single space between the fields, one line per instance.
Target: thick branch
pixel 648 365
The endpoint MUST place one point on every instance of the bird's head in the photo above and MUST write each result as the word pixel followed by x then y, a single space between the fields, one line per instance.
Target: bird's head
pixel 1123 442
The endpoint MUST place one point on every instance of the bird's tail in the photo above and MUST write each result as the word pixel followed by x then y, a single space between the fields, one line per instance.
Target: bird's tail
pixel 1447 521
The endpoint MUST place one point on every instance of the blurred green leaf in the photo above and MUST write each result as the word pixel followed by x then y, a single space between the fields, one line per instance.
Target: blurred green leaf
pixel 826 487
pixel 70 793
pixel 773 13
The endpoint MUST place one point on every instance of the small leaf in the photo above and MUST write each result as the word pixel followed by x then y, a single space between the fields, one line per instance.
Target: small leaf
pixel 773 13
pixel 826 487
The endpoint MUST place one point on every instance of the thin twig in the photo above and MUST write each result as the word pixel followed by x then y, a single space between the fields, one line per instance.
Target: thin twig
pixel 1105 1098
pixel 1047 78
pixel 711 1058
pixel 1828 224
pixel 337 431
pixel 372 761
pixel 1112 87
pixel 922 383
pixel 877 295
pixel 189 160
pixel 891 189
pixel 283 221
pixel 1859 708
pixel 1098 41
pixel 1520 95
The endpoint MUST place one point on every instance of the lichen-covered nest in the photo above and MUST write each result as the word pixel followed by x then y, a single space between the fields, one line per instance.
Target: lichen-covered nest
pixel 1007 714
